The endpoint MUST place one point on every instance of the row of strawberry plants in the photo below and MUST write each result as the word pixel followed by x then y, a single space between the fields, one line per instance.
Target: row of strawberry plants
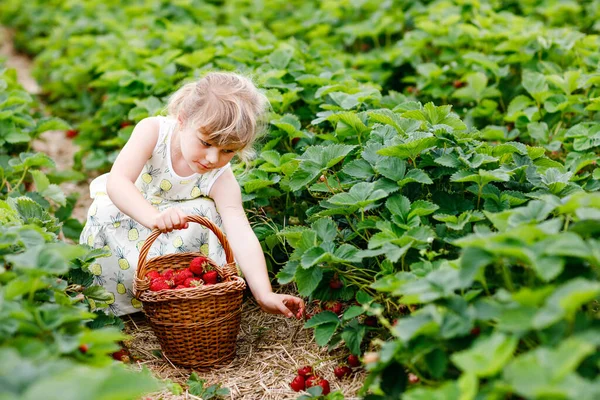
pixel 342 176
pixel 509 74
pixel 51 345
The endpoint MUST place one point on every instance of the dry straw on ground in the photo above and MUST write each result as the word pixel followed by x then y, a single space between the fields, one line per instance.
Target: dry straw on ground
pixel 270 349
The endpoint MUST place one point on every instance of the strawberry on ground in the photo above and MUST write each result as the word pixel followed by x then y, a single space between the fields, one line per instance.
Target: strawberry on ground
pixel 197 265
pixel 305 371
pixel 71 133
pixel 353 361
pixel 342 371
pixel 318 381
pixel 298 383
pixel 210 277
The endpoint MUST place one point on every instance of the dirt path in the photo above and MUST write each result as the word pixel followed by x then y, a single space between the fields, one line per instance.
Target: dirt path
pixel 53 143
pixel 269 348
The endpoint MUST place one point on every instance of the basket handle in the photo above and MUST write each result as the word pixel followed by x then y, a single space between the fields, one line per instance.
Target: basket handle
pixel 228 270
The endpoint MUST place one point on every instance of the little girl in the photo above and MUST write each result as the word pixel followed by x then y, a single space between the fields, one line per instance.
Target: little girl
pixel 176 166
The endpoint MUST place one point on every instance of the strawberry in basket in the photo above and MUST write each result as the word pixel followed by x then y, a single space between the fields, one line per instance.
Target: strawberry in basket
pixel 180 277
pixel 198 264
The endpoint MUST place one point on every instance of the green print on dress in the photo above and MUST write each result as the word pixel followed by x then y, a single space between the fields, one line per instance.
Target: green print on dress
pixel 109 228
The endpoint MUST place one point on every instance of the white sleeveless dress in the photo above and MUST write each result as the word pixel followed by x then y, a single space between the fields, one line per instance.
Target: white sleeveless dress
pixel 107 227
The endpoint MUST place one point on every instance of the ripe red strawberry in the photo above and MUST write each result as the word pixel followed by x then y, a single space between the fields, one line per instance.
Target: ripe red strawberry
pixel 181 276
pixel 318 381
pixel 353 361
pixel 458 83
pixel 121 355
pixel 341 371
pixel 311 380
pixel 71 133
pixel 305 371
pixel 83 348
pixel 334 306
pixel 335 283
pixel 125 124
pixel 181 287
pixel 476 331
pixel 197 265
pixel 167 274
pixel 210 277
pixel 324 383
pixel 159 284
pixel 153 275
pixel 371 321
pixel 298 383
pixel 193 282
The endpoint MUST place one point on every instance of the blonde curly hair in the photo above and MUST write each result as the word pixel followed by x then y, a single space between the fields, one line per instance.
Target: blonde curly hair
pixel 226 106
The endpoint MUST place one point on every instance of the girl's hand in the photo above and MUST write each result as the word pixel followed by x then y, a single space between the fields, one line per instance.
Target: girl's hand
pixel 170 219
pixel 276 303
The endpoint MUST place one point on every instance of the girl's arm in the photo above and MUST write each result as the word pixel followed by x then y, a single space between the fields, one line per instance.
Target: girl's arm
pixel 245 245
pixel 120 186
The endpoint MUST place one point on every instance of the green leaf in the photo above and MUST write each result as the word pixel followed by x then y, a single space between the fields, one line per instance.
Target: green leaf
pixel 410 149
pixel 308 279
pixel 360 195
pixel 325 317
pixel 566 301
pixel 487 356
pixel 353 335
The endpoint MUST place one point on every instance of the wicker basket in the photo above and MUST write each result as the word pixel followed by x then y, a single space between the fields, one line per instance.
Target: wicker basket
pixel 196 327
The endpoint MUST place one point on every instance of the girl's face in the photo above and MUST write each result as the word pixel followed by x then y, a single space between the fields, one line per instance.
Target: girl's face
pixel 202 155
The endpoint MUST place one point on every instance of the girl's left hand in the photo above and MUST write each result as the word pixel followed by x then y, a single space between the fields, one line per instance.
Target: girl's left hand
pixel 277 303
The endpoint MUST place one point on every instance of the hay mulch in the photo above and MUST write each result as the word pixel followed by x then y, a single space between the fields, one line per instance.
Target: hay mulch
pixel 270 348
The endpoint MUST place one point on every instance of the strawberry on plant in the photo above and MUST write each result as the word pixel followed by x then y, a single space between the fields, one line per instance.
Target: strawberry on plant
pixel 305 371
pixel 298 383
pixel 159 284
pixel 311 380
pixel 333 306
pixel 335 283
pixel 342 371
pixel 371 321
pixel 83 348
pixel 353 361
pixel 210 277
pixel 125 124
pixel 412 378
pixel 197 265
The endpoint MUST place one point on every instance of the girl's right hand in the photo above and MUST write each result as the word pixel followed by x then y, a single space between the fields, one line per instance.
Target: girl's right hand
pixel 170 219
